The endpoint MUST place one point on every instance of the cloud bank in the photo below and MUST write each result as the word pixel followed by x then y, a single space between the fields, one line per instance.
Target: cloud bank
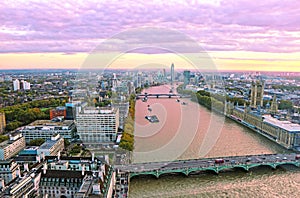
pixel 80 26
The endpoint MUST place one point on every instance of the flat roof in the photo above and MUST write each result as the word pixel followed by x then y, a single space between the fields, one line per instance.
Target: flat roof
pixel 102 110
pixel 50 123
pixel 65 174
pixel 7 142
pixel 48 144
pixel 286 125
pixel 31 148
pixel 8 161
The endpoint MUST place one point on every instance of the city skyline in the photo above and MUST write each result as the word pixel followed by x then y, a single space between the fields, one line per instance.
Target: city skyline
pixel 237 35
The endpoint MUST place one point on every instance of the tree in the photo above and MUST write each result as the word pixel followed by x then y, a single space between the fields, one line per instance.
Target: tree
pixel 285 104
pixel 75 150
pixel 66 142
pixel 3 138
pixel 37 142
pixel 12 125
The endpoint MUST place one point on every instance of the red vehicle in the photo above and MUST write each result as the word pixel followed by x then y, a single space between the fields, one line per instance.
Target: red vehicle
pixel 297 157
pixel 219 161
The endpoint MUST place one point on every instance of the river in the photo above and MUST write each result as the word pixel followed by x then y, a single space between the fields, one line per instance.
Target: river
pixel 187 131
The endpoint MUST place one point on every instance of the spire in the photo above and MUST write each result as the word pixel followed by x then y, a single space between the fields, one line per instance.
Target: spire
pixel 274 105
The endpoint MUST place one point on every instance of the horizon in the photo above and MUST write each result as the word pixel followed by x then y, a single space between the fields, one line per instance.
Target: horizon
pixel 296 73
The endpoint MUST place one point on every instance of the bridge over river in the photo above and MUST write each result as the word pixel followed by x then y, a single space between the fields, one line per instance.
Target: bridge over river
pixel 160 95
pixel 216 165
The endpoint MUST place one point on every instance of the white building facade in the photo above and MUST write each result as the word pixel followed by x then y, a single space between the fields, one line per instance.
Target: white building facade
pixel 98 125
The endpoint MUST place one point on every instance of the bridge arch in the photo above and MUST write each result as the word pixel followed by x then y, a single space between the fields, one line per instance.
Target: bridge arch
pixel 241 167
pixel 143 173
pixel 172 172
pixel 296 164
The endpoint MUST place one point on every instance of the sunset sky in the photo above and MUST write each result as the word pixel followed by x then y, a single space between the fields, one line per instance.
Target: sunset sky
pixel 236 34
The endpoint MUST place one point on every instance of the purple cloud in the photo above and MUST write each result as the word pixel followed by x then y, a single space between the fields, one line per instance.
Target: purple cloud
pixel 31 26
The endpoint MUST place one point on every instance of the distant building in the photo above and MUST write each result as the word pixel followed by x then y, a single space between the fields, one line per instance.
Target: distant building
pixel 2 122
pixel 58 111
pixel 172 73
pixel 187 77
pixel 12 146
pixel 52 147
pixel 8 170
pixel 25 85
pixel 46 129
pixel 138 80
pixel 257 94
pixel 98 125
pixel 16 85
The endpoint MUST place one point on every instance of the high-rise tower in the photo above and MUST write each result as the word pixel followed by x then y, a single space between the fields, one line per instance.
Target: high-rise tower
pixel 187 77
pixel 172 73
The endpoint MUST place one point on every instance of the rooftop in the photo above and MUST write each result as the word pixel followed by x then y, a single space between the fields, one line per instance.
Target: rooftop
pixel 65 174
pixel 286 125
pixel 48 144
pixel 6 161
pixel 28 158
pixel 101 110
pixel 61 108
pixel 7 142
pixel 50 123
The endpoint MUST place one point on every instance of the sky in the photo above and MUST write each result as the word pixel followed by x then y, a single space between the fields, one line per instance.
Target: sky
pixel 234 34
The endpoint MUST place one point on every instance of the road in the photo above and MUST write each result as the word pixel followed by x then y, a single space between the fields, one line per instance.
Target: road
pixel 206 162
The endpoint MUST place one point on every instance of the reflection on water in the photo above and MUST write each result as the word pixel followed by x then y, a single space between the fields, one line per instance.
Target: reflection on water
pixel 192 131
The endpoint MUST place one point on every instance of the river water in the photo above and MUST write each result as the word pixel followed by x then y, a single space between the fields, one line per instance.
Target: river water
pixel 187 131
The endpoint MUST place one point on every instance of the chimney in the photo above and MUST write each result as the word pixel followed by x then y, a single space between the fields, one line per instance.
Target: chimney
pixel 58 155
pixel 18 172
pixel 43 156
pixel 82 169
pixel 45 168
pixel 93 156
pixel 38 158
pixel 2 185
pixel 26 167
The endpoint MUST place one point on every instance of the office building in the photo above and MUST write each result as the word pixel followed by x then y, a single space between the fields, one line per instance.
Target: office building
pixel 172 73
pixel 58 111
pixel 123 112
pixel 187 77
pixel 2 122
pixel 28 156
pixel 46 129
pixel 11 147
pixel 72 108
pixel 257 94
pixel 52 147
pixel 98 125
